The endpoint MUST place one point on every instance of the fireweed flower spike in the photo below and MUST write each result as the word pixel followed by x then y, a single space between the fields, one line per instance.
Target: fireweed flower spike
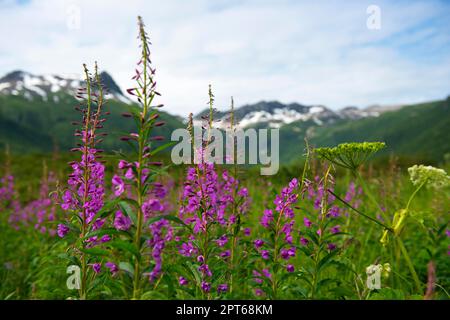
pixel 280 223
pixel 85 193
pixel 212 206
pixel 136 183
pixel 39 213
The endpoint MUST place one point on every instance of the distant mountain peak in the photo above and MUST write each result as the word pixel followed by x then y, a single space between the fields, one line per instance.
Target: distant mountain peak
pixel 47 86
pixel 276 114
pixel 13 76
pixel 109 82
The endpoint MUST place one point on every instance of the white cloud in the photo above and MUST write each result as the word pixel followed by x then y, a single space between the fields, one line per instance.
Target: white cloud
pixel 309 52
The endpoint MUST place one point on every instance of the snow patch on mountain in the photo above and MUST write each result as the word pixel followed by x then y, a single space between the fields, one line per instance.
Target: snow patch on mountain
pixel 49 86
pixel 275 115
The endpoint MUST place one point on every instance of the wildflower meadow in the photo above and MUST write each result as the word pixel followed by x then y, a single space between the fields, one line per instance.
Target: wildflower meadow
pixel 343 222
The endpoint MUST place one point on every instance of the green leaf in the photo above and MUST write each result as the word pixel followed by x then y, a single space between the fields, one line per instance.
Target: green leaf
pixel 127 267
pixel 128 210
pixel 326 260
pixel 95 251
pixel 167 217
pixel 101 232
pixel 107 209
pixel 126 246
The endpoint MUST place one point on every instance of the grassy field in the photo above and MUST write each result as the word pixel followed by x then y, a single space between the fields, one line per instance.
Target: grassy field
pixel 34 264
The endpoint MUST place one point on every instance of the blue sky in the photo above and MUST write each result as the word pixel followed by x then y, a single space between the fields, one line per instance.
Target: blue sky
pixel 311 52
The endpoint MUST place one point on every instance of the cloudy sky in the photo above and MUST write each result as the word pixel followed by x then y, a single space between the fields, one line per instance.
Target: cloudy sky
pixel 310 52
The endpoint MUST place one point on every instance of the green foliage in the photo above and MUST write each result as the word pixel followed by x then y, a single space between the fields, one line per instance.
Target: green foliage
pixel 43 126
pixel 407 132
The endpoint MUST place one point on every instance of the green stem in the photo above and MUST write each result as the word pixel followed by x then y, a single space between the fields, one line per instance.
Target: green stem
pixel 86 187
pixel 140 193
pixel 409 263
pixel 414 194
pixel 360 213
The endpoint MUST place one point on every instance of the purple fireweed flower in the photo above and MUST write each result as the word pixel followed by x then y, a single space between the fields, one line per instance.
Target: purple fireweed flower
pixel 307 222
pixel 290 268
pixel 62 230
pixel 257 277
pixel 352 195
pixel 6 188
pixel 304 241
pixel 259 292
pixel 331 246
pixel 267 273
pixel 105 238
pixel 123 164
pixel 96 267
pixel 204 269
pixel 159 191
pixel 243 192
pixel 119 185
pixel 221 288
pixel 335 229
pixel 187 249
pixel 286 254
pixel 258 243
pixel 281 231
pixel 37 212
pixel 182 281
pixel 157 244
pixel 225 254
pixel 92 197
pixel 206 286
pixel 247 232
pixel 267 218
pixel 211 204
pixel 68 201
pixel 205 186
pixel 112 267
pixel 121 221
pixel 222 241
pixel 334 212
pixel 129 174
pixel 151 206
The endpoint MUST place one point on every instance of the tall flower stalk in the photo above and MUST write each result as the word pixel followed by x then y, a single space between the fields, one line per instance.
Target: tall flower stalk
pixel 139 168
pixel 280 246
pixel 85 193
pixel 212 204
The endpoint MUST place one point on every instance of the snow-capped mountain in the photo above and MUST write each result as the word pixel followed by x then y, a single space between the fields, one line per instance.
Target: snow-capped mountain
pixel 275 114
pixel 49 86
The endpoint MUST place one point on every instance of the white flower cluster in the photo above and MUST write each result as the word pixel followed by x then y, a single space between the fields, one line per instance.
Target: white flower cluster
pixel 431 176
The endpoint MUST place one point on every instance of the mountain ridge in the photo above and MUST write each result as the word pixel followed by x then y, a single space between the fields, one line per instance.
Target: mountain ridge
pixel 276 114
pixel 41 122
pixel 49 86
